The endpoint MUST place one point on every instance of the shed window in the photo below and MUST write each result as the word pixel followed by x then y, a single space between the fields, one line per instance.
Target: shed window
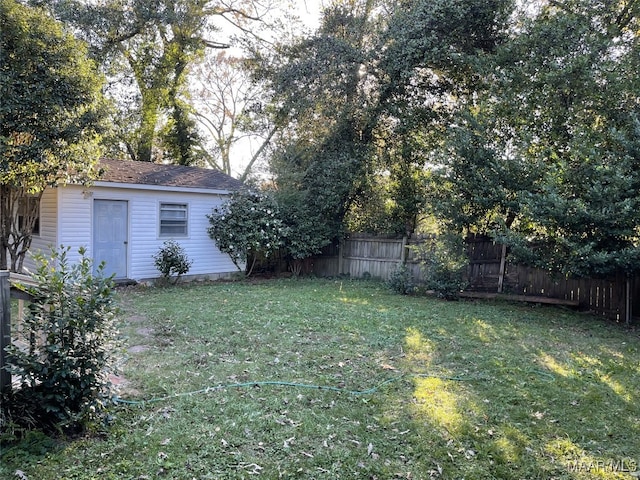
pixel 173 220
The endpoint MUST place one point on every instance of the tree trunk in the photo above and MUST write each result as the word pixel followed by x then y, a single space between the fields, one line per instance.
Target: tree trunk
pixel 148 123
pixel 16 233
pixel 5 224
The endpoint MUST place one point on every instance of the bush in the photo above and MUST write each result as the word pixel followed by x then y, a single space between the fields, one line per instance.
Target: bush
pixel 171 260
pixel 247 227
pixel 69 332
pixel 401 281
pixel 444 263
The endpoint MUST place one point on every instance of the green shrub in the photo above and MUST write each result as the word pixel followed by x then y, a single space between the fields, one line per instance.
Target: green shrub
pixel 172 260
pixel 247 227
pixel 69 336
pixel 401 280
pixel 444 263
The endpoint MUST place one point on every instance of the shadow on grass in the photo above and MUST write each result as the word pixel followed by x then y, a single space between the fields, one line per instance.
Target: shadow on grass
pixel 525 398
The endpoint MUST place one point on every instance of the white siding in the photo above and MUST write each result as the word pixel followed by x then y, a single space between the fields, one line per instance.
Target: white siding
pixel 74 219
pixel 48 238
pixel 75 228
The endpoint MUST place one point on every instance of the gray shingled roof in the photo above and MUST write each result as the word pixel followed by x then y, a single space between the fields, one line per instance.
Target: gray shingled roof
pixel 145 173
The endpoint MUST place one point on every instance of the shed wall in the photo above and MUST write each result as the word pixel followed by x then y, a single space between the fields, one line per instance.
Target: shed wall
pixel 74 220
pixel 48 236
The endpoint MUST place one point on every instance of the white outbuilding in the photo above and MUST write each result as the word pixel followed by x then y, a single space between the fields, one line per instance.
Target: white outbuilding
pixel 125 216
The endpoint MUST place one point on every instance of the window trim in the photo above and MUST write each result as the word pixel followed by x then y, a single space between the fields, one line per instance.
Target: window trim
pixel 177 207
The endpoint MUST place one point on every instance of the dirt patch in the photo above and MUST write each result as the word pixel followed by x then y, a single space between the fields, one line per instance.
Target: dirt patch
pixel 144 331
pixel 123 386
pixel 138 348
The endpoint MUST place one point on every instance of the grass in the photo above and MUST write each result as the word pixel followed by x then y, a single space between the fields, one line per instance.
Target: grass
pixel 474 390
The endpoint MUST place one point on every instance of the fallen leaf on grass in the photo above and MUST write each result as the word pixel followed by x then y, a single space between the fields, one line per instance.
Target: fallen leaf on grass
pixel 21 475
pixel 386 366
pixel 255 469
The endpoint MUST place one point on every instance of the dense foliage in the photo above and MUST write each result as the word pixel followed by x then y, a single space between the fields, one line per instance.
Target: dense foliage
pixel 320 85
pixel 524 116
pixel 546 156
pixel 519 120
pixel 246 227
pixel 254 226
pixel 51 118
pixel 70 333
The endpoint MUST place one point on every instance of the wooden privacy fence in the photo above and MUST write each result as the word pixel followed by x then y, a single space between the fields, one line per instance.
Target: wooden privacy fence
pixel 363 256
pixel 371 256
pixel 489 274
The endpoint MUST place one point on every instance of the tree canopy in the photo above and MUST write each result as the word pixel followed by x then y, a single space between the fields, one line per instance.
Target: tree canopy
pixel 515 120
pixel 546 157
pixel 147 50
pixel 51 118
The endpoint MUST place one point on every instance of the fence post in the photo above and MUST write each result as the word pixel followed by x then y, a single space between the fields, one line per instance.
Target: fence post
pixel 627 309
pixel 5 330
pixel 341 256
pixel 503 263
pixel 403 252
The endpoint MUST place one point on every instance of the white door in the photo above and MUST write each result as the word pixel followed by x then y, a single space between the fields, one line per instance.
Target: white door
pixel 110 236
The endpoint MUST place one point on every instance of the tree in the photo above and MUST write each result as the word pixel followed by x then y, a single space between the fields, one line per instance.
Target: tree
pixel 580 128
pixel 229 110
pixel 550 151
pixel 435 55
pixel 155 45
pixel 50 119
pixel 246 227
pixel 319 85
pixel 545 158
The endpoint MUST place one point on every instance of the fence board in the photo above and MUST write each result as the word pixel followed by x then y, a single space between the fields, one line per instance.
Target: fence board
pixel 5 330
pixel 378 257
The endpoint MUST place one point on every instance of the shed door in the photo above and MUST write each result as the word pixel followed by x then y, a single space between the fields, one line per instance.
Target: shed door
pixel 110 236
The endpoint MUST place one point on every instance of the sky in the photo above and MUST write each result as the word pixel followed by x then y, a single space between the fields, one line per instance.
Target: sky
pixel 309 13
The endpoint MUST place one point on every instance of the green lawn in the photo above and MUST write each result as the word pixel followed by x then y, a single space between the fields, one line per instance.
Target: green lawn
pixel 427 389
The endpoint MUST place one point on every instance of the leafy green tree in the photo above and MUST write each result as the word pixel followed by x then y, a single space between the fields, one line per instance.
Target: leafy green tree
pixel 246 227
pixel 319 85
pixel 431 54
pixel 51 118
pixel 545 158
pixel 556 139
pixel 473 186
pixel 155 44
pixel 584 89
pixel 369 94
pixel 433 63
